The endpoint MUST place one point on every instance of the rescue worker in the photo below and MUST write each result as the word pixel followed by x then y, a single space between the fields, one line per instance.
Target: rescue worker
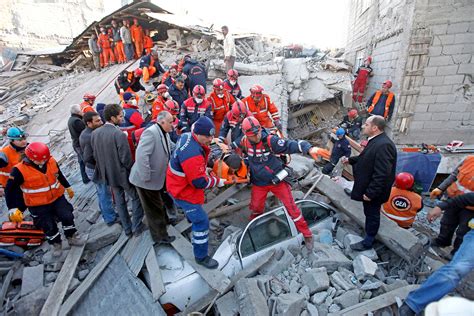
pixel 361 79
pixel 460 181
pixel 39 178
pixel 132 119
pixel 262 108
pixel 105 44
pixel 267 171
pixel 10 155
pixel 151 67
pixel 403 203
pixel 232 122
pixel 147 42
pixel 231 167
pixel 341 148
pixel 128 81
pixel 382 102
pixel 137 38
pixel 159 103
pixel 352 123
pixel 118 44
pixel 88 104
pixel 186 180
pixel 231 84
pixel 195 72
pixel 193 108
pixel 170 75
pixel 178 91
pixel 221 102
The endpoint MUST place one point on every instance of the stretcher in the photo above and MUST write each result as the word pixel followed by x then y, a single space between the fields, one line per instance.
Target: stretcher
pixel 22 234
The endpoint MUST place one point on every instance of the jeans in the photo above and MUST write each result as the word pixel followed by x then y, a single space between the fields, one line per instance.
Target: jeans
pixel 121 205
pixel 105 199
pixel 82 166
pixel 446 278
pixel 129 51
pixel 372 222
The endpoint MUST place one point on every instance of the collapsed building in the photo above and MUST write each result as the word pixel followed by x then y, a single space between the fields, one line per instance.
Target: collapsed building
pixel 111 272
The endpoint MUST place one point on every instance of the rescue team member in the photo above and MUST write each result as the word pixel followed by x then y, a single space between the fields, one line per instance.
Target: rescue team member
pixel 231 84
pixel 151 67
pixel 231 167
pixel 10 155
pixel 129 81
pixel 105 44
pixel 118 44
pixel 88 104
pixel 403 203
pixel 159 103
pixel 147 42
pixel 267 171
pixel 133 120
pixel 195 73
pixel 382 102
pixel 232 122
pixel 352 123
pixel 262 108
pixel 137 38
pixel 194 108
pixel 177 90
pixel 39 178
pixel 186 180
pixel 221 102
pixel 361 79
pixel 341 148
pixel 460 181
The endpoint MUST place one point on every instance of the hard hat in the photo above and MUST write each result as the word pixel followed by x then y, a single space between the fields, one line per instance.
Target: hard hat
pixel 89 97
pixel 37 151
pixel 387 83
pixel 369 59
pixel 239 109
pixel 256 89
pixel 16 216
pixel 16 133
pixel 162 88
pixel 233 74
pixel 251 126
pixel 352 113
pixel 340 132
pixel 218 83
pixel 199 91
pixel 138 72
pixel 149 98
pixel 404 180
pixel 172 107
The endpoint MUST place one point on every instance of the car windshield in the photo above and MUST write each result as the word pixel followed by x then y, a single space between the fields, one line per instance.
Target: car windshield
pixel 313 213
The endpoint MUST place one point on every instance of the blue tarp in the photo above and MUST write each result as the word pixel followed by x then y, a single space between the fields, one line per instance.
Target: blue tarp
pixel 422 166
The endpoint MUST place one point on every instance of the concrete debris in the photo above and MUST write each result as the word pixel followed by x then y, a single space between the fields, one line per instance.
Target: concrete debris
pixel 280 261
pixel 363 266
pixel 250 298
pixel 290 304
pixel 227 305
pixel 328 257
pixel 319 298
pixel 32 279
pixel 349 298
pixel 352 239
pixel 312 310
pixel 369 285
pixel 339 282
pixel 316 279
pixel 334 308
pixel 102 235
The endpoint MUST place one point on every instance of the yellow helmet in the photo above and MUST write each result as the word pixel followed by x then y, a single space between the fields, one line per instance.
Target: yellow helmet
pixel 16 216
pixel 149 98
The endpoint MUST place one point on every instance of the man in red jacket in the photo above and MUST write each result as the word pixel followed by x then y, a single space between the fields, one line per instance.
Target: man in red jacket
pixel 221 101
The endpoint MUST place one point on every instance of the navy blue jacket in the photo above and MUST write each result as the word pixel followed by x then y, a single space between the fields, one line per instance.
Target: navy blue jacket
pixel 178 95
pixel 145 62
pixel 196 74
pixel 235 129
pixel 341 148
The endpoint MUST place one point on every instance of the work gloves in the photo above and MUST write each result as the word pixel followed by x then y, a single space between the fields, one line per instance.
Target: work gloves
pixel 435 193
pixel 221 183
pixel 70 192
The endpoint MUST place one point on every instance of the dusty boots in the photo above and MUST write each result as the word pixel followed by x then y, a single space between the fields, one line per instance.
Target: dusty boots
pixel 76 240
pixel 308 242
pixel 57 249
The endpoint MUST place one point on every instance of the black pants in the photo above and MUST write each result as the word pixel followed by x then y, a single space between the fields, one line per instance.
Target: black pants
pixel 82 166
pixel 328 168
pixel 155 212
pixel 372 221
pixel 454 220
pixel 45 217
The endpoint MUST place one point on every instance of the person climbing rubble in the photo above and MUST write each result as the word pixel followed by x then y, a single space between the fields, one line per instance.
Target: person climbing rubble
pixel 352 123
pixel 105 41
pixel 382 102
pixel 361 80
pixel 262 108
pixel 42 183
pixel 341 148
pixel 129 81
pixel 268 172
pixel 178 91
pixel 87 104
pixel 170 75
pixel 151 67
pixel 403 204
pixel 194 108
pixel 186 180
pixel 147 42
pixel 231 84
pixel 232 123
pixel 221 101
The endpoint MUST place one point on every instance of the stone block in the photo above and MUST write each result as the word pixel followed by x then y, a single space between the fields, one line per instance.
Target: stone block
pixel 352 239
pixel 415 125
pixel 363 266
pixel 441 116
pixel 458 28
pixel 447 70
pixel 447 89
pixel 279 262
pixel 444 39
pixel 433 81
pixel 289 304
pixel 432 108
pixel 334 308
pixel 458 107
pixel 422 116
pixel 462 58
pixel 32 303
pixel 454 79
pixel 322 309
pixel 440 61
pixel 466 69
pixel 435 51
pixel 328 257
pixel 468 49
pixel 319 298
pixel 312 310
pixel 32 279
pixel 349 298
pixel 433 124
pixel 430 71
pixel 339 282
pixel 250 298
pixel 426 90
pixel 445 98
pixel 457 116
pixel 370 285
pixel 102 235
pixel 316 279
pixel 464 38
pixel 395 285
pixel 439 29
pixel 341 234
pixel 452 49
pixel 227 305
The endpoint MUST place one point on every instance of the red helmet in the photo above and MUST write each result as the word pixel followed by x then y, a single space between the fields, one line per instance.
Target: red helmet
pixel 387 83
pixel 233 74
pixel 37 151
pixel 162 88
pixel 138 72
pixel 352 113
pixel 256 89
pixel 404 181
pixel 238 110
pixel 251 126
pixel 218 84
pixel 174 66
pixel 369 59
pixel 199 91
pixel 88 97
pixel 172 107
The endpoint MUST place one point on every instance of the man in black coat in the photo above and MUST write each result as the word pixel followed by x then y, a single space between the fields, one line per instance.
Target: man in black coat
pixel 76 126
pixel 374 174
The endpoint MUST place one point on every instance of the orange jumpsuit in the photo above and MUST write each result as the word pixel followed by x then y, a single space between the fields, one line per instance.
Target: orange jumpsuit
pixel 220 107
pixel 265 111
pixel 137 37
pixel 157 107
pixel 107 53
pixel 147 43
pixel 86 107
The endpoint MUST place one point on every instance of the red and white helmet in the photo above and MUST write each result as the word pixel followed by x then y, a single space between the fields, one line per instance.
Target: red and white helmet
pixel 198 91
pixel 89 97
pixel 233 74
pixel 238 110
pixel 404 181
pixel 172 107
pixel 251 126
pixel 138 72
pixel 256 90
pixel 37 151
pixel 352 113
pixel 218 84
pixel 162 88
pixel 387 83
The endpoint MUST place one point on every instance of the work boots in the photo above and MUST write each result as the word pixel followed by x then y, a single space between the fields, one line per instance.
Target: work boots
pixel 308 242
pixel 57 249
pixel 76 240
pixel 208 262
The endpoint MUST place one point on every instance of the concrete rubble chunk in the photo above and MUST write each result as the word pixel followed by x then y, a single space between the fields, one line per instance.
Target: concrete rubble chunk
pixel 328 257
pixel 290 304
pixel 322 309
pixel 102 235
pixel 32 303
pixel 227 304
pixel 250 299
pixel 349 298
pixel 395 285
pixel 369 285
pixel 294 286
pixel 32 279
pixel 352 239
pixel 363 267
pixel 316 279
pixel 319 298
pixel 279 262
pixel 338 281
pixel 334 308
pixel 312 310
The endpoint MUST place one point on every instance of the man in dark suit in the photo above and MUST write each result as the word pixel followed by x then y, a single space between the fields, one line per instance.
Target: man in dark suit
pixel 374 174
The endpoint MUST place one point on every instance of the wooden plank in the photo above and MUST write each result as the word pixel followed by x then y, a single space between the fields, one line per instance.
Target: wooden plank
pixel 418 51
pixel 228 209
pixel 211 205
pixel 378 302
pixel 215 278
pixel 75 296
pixel 58 292
pixel 157 286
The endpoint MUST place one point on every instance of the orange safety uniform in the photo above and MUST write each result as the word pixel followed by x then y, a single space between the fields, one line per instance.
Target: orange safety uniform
pixel 119 50
pixel 147 43
pixel 387 102
pixel 221 170
pixel 39 188
pixel 402 206
pixel 86 107
pixel 107 53
pixel 157 107
pixel 464 181
pixel 220 107
pixel 137 37
pixel 265 111
pixel 13 157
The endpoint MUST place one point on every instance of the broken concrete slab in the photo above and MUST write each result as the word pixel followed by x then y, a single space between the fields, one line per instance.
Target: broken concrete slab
pixel 312 310
pixel 395 285
pixel 370 285
pixel 279 262
pixel 32 279
pixel 227 305
pixel 319 298
pixel 328 257
pixel 352 239
pixel 349 298
pixel 301 165
pixel 250 298
pixel 363 267
pixel 316 279
pixel 290 304
pixel 102 235
pixel 339 282
pixel 32 303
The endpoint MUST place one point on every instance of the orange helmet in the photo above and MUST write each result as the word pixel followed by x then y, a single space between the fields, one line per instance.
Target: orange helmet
pixel 404 181
pixel 352 113
pixel 162 88
pixel 172 107
pixel 238 110
pixel 387 83
pixel 233 74
pixel 251 126
pixel 37 151
pixel 199 91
